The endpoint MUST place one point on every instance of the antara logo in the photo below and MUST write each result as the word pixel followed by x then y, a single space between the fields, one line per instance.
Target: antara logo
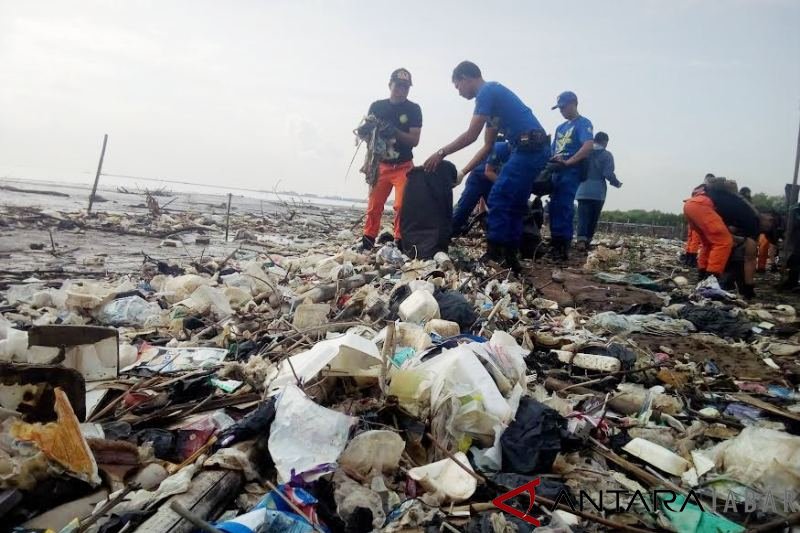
pixel 529 488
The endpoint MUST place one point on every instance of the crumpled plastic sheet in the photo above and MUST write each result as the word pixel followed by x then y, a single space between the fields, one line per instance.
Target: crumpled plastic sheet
pixel 656 324
pixel 375 451
pixel 691 519
pixel 272 513
pixel 305 434
pixel 628 278
pixel 760 456
pixel 409 516
pixel 351 496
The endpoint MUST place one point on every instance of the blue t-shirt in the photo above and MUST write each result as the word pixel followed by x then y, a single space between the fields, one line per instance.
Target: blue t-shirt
pixel 505 110
pixel 571 135
pixel 500 153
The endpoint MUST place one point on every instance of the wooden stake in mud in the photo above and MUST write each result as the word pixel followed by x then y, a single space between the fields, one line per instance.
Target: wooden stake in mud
pixel 99 170
pixel 228 217
pixel 791 201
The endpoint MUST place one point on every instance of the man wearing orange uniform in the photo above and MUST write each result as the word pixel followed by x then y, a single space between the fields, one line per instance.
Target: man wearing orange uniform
pixel 692 248
pixel 406 118
pixel 763 253
pixel 716 242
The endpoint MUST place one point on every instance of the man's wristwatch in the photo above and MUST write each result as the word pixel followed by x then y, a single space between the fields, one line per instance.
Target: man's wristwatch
pixel 440 152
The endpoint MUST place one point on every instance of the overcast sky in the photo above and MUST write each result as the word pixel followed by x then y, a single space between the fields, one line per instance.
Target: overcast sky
pixel 250 93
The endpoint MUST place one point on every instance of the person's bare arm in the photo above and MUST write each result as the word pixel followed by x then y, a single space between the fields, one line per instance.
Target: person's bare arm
pixel 489 138
pixel 581 154
pixel 410 138
pixel 490 173
pixel 462 141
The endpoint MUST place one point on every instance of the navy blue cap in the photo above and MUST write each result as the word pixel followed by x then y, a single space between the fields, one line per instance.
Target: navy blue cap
pixel 567 97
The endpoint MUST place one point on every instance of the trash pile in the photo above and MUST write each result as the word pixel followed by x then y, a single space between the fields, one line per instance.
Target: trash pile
pixel 325 390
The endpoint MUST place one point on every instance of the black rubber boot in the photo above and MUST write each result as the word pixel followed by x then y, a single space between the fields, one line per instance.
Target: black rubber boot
pixel 556 244
pixel 367 244
pixel 495 252
pixel 748 292
pixel 701 274
pixel 512 259
pixel 565 246
pixel 559 249
pixel 399 244
pixel 791 280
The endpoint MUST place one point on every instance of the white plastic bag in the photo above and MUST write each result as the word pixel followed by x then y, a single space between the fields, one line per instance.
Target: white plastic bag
pixel 446 479
pixel 348 355
pixel 128 311
pixel 305 435
pixel 375 451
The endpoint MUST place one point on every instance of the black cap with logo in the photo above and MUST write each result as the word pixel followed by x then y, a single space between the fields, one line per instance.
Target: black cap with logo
pixel 401 75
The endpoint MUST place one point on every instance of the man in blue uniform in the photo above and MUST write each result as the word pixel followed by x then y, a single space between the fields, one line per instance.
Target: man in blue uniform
pixel 479 183
pixel 573 143
pixel 499 109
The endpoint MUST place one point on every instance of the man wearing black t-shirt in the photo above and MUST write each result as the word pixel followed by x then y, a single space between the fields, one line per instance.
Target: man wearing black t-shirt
pixel 406 117
pixel 744 221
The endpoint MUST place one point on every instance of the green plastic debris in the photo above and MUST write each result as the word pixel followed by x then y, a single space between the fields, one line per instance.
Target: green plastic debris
pixel 637 280
pixel 226 385
pixel 689 518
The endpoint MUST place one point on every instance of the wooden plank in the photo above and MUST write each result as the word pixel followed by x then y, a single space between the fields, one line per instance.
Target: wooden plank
pixel 210 492
pixel 765 406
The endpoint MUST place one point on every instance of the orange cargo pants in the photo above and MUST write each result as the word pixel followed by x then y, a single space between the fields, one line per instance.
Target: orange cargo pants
pixel 692 241
pixel 389 175
pixel 716 242
pixel 763 252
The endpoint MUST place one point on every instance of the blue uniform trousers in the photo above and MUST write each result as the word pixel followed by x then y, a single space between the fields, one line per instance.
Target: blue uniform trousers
pixel 509 197
pixel 562 202
pixel 477 187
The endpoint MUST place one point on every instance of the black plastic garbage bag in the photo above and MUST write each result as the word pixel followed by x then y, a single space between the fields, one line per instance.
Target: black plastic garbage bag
pixel 453 306
pixel 427 212
pixel 116 430
pixel 532 441
pixel 256 423
pixel 190 389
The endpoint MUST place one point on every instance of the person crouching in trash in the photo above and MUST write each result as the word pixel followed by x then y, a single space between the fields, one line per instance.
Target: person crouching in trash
pixel 745 224
pixel 692 248
pixel 716 242
pixel 399 123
